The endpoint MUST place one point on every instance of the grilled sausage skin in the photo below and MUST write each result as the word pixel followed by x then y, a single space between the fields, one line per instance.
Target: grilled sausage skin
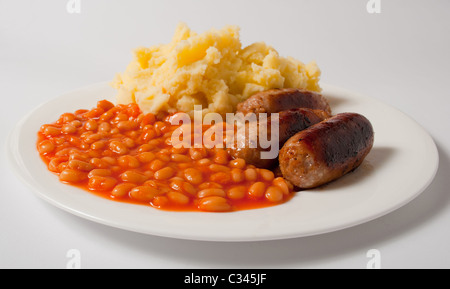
pixel 327 150
pixel 275 100
pixel 290 122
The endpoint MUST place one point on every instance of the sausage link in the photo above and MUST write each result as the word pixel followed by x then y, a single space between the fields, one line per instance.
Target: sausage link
pixel 276 100
pixel 290 122
pixel 327 150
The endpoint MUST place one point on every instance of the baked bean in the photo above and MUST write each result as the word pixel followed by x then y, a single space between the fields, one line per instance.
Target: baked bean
pixel 149 174
pixel 98 145
pixel 214 204
pixel 155 142
pixel 148 135
pixel 266 175
pixel 181 150
pixel 76 155
pixel 281 183
pixel 274 194
pixel 164 173
pixel 105 105
pixel 237 175
pixel 90 138
pixel 76 123
pixel 204 162
pixel 178 198
pixel 68 129
pixel 145 148
pixel 72 176
pixel 110 160
pixel 65 152
pixel 237 163
pixel 80 112
pixel 218 168
pixel 128 162
pixel 91 125
pixel 162 156
pixel 157 165
pixel 176 183
pixel 80 165
pixel 179 158
pixel 251 175
pixel 51 131
pixel 129 143
pixel 148 119
pixel 68 117
pixel 46 147
pixel 53 165
pixel 95 112
pixel 160 128
pixel 160 201
pixel 194 176
pixel 195 154
pixel 161 186
pixel 237 193
pixel 208 185
pixel 257 190
pixel 126 125
pixel 211 192
pixel 221 157
pixel 101 183
pixel 221 178
pixel 133 177
pixel 104 127
pixel 121 117
pixel 189 188
pixel 94 153
pixel 75 141
pixel 116 169
pixel 114 131
pixel 118 147
pixel 144 193
pixel 106 116
pixel 62 166
pixel 99 172
pixel 146 157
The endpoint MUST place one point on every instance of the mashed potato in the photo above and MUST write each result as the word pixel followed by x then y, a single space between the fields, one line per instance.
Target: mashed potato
pixel 210 69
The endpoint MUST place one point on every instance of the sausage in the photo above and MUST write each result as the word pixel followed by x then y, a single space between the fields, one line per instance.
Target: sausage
pixel 276 100
pixel 246 144
pixel 327 150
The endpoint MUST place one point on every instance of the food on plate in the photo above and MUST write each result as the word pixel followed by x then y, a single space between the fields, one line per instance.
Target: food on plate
pixel 165 143
pixel 211 69
pixel 123 154
pixel 246 144
pixel 327 150
pixel 276 100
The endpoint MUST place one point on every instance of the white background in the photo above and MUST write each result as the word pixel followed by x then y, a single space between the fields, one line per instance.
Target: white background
pixel 399 56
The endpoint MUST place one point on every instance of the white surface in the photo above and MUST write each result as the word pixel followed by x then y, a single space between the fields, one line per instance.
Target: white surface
pixel 354 199
pixel 399 56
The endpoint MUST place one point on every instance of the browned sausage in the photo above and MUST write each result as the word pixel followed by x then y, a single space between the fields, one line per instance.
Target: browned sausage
pixel 276 100
pixel 327 150
pixel 290 122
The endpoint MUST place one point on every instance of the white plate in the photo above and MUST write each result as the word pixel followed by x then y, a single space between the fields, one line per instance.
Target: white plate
pixel 400 166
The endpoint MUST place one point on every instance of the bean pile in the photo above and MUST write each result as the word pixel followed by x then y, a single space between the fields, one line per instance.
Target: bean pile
pixel 122 154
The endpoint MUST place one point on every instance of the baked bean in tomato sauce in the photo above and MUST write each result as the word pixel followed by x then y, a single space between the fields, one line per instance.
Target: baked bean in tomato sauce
pixel 117 152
